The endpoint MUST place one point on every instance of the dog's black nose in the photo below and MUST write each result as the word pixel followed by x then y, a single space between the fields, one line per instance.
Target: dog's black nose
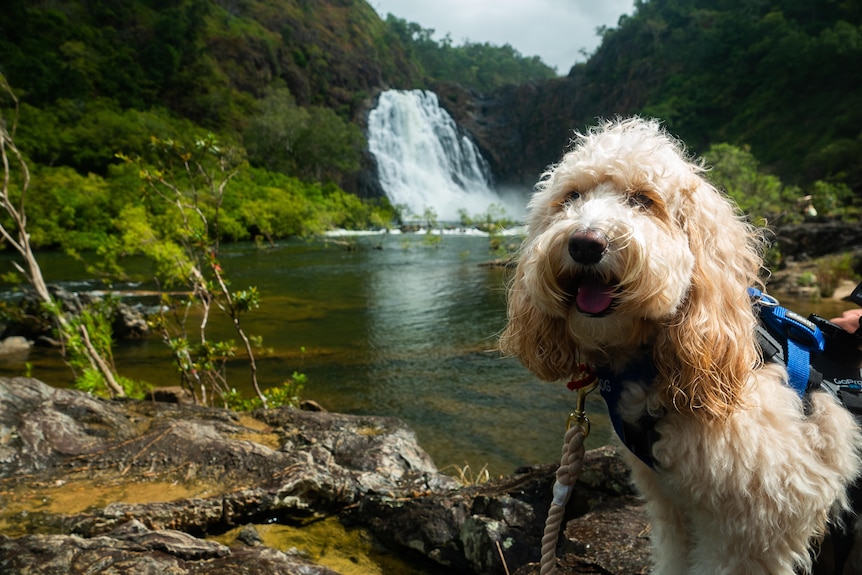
pixel 587 246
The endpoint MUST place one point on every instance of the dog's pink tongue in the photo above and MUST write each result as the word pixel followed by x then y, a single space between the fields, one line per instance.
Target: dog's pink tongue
pixel 594 296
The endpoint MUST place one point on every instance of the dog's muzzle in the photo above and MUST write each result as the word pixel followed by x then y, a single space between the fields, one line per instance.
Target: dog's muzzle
pixel 592 294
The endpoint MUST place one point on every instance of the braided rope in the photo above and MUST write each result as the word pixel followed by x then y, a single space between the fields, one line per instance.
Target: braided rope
pixel 567 474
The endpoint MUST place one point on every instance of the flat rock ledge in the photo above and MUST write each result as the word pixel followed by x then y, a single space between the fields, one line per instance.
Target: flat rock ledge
pixel 89 485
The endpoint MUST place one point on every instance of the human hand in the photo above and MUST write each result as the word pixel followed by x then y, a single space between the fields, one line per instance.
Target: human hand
pixel 849 320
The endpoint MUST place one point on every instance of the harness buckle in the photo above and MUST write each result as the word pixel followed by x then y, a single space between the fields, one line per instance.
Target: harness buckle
pixel 761 299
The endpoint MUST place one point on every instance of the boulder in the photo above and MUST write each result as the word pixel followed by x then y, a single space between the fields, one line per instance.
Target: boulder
pixel 15 346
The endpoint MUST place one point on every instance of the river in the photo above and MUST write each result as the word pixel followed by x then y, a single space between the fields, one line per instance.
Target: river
pixel 395 327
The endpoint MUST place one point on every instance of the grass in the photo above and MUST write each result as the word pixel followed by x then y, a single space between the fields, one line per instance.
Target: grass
pixel 466 476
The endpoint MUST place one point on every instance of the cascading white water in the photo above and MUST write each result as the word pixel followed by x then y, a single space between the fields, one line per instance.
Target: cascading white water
pixel 422 160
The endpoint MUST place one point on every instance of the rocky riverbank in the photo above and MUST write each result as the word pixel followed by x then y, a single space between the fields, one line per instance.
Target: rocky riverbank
pixel 95 486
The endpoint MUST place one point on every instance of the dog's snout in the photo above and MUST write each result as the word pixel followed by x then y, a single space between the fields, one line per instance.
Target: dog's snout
pixel 588 246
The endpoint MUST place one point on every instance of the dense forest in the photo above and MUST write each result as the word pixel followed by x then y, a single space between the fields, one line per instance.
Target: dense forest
pixel 285 86
pixel 780 76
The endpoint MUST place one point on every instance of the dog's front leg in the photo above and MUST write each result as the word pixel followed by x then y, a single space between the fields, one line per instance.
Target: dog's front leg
pixel 669 537
pixel 690 542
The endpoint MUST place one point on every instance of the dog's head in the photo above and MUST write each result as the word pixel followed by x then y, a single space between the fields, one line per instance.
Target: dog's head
pixel 630 251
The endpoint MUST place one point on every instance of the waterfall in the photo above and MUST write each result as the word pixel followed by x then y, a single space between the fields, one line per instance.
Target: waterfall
pixel 423 161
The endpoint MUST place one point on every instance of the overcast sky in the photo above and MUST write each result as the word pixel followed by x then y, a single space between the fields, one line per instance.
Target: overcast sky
pixel 554 30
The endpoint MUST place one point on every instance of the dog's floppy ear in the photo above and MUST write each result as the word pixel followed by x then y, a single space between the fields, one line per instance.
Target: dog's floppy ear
pixel 540 341
pixel 708 347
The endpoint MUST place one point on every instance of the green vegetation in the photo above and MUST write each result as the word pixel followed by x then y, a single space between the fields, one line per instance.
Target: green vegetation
pixel 765 198
pixel 494 222
pixel 480 66
pixel 187 190
pixel 204 61
pixel 466 476
pixel 88 342
pixel 736 171
pixel 86 335
pixel 313 143
pixel 776 78
pixel 79 213
pixel 287 394
pixel 832 270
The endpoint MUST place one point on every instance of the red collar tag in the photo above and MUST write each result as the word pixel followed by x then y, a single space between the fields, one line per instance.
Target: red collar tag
pixel 584 377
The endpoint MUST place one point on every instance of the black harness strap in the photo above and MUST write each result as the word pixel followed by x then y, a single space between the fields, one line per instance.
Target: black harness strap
pixel 640 437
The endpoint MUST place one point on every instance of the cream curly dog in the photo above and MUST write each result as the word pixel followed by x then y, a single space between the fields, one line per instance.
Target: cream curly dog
pixel 636 265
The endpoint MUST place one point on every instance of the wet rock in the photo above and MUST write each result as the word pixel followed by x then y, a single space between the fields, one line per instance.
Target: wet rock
pixel 176 543
pixel 249 536
pixel 310 405
pixel 171 394
pixel 211 470
pixel 815 239
pixel 30 321
pixel 132 548
pixel 129 322
pixel 611 540
pixel 489 527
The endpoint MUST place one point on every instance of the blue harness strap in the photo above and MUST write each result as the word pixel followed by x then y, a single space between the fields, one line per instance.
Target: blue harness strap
pixel 798 337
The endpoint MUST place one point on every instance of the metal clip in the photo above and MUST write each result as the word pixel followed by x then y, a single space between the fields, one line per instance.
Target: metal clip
pixel 761 299
pixel 579 415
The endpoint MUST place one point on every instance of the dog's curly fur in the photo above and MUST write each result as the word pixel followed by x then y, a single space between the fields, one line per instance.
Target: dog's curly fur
pixel 632 254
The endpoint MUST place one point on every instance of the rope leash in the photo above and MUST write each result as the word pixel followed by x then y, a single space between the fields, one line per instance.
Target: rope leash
pixel 571 462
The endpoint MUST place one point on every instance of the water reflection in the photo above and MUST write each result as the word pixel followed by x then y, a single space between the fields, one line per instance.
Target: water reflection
pixel 403 331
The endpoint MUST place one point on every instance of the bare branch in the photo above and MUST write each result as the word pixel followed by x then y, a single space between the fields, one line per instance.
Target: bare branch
pixel 19 239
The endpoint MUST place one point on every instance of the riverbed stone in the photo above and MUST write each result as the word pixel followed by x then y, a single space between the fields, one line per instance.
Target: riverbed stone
pixel 135 486
pixel 15 346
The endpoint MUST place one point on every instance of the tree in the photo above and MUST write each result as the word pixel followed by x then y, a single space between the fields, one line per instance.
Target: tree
pixel 272 134
pixel 188 189
pixel 736 171
pixel 76 333
pixel 480 66
pixel 314 143
pixel 328 148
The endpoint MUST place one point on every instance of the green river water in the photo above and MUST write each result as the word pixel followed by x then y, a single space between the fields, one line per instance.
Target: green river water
pixel 396 328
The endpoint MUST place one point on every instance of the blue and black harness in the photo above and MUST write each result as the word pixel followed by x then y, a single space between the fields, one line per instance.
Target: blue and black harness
pixel 784 337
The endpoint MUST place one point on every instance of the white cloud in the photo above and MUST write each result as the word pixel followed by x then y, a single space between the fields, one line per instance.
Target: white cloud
pixel 555 30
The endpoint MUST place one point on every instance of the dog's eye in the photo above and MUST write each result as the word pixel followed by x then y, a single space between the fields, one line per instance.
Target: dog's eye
pixel 567 200
pixel 640 200
pixel 572 196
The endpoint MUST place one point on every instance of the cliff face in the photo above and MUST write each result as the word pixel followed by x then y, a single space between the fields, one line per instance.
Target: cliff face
pixel 333 52
pixel 523 129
